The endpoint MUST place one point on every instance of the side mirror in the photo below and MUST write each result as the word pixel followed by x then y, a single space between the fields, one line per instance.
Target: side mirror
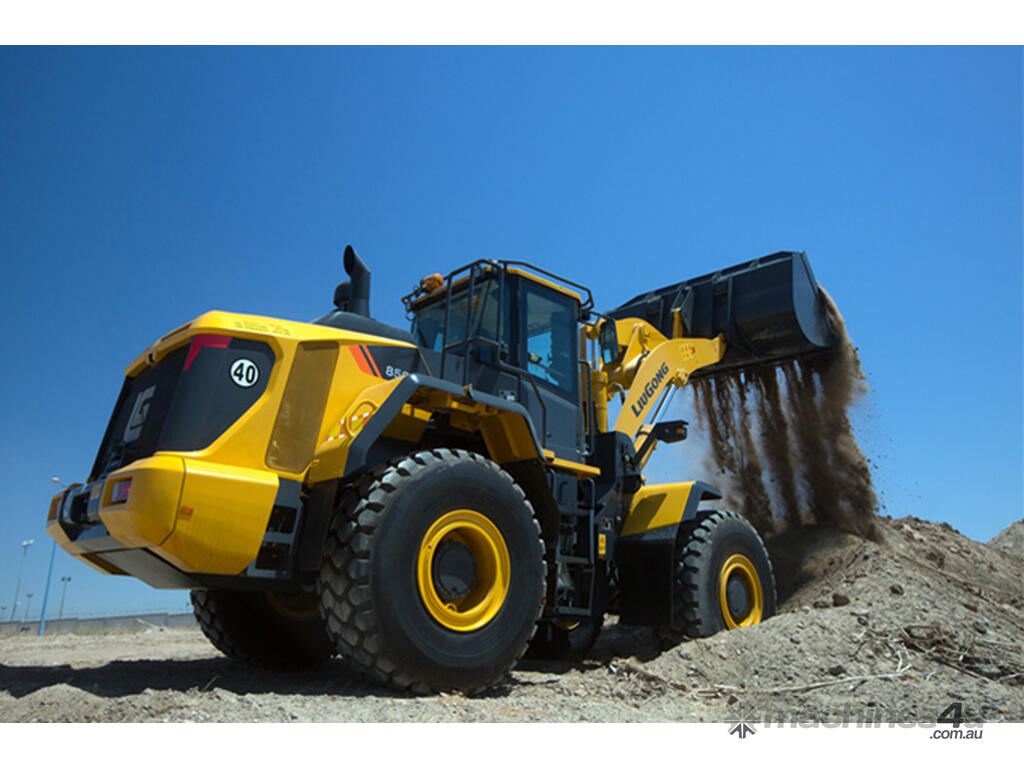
pixel 669 431
pixel 609 340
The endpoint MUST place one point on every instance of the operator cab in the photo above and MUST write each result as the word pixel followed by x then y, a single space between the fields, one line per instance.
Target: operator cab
pixel 511 333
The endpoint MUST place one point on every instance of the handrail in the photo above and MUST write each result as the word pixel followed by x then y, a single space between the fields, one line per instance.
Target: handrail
pixel 503 264
pixel 587 408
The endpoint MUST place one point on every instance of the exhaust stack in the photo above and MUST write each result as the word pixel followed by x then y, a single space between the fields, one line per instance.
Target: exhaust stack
pixel 353 295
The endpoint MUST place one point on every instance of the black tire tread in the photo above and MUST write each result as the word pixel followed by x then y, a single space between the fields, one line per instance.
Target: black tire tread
pixel 243 634
pixel 693 551
pixel 346 603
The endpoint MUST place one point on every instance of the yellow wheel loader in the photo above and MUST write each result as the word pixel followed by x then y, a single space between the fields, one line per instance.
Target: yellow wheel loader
pixel 432 504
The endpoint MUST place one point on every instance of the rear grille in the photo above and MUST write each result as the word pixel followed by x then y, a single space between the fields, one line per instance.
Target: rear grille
pixel 79 508
pixel 139 415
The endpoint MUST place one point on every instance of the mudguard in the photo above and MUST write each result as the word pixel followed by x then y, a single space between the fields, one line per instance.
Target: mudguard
pixel 645 553
pixel 506 427
pixel 404 391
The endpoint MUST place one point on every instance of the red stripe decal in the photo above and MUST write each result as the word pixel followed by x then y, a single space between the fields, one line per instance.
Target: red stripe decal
pixel 357 353
pixel 373 363
pixel 204 340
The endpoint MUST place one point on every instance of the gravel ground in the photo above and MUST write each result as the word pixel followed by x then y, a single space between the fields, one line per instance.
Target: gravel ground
pixel 894 630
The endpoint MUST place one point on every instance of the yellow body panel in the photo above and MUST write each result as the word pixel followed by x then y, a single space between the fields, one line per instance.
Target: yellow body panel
pixel 278 333
pixel 147 517
pixel 507 437
pixel 202 517
pixel 352 402
pixel 656 506
pixel 244 444
pixel 409 425
pixel 221 518
pixel 78 552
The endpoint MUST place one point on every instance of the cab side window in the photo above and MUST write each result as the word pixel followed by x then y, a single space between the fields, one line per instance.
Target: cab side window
pixel 428 324
pixel 551 337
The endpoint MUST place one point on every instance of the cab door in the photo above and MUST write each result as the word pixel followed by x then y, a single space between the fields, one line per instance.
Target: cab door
pixel 548 341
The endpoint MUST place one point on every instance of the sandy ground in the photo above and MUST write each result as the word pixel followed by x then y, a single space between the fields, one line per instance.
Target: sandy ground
pixel 867 632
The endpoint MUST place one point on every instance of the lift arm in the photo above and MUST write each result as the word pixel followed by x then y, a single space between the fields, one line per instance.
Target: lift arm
pixel 648 365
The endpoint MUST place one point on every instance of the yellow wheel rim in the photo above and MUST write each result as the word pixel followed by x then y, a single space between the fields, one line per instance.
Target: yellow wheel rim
pixel 474 532
pixel 300 607
pixel 739 574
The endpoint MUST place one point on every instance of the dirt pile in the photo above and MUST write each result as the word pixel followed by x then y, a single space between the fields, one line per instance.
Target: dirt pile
pixel 883 631
pixel 868 631
pixel 781 446
pixel 1010 541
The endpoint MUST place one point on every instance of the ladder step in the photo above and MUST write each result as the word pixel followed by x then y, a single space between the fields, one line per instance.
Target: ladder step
pixel 568 610
pixel 572 559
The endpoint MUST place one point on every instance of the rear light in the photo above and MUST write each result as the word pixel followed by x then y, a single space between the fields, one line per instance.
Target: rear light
pixel 120 490
pixel 201 340
pixel 54 506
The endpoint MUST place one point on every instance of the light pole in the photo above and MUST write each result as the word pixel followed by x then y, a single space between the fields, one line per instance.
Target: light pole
pixel 3 610
pixel 49 572
pixel 28 602
pixel 24 551
pixel 65 580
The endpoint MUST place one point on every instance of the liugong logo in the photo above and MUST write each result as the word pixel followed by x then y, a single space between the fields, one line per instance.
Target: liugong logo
pixel 650 389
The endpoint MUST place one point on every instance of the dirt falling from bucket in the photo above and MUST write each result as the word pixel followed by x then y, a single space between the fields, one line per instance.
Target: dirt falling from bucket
pixel 781 444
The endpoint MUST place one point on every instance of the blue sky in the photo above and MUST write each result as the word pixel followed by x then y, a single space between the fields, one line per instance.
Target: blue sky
pixel 141 187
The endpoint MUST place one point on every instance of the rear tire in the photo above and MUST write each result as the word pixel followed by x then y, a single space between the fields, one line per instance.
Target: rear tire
pixel 433 572
pixel 723 577
pixel 280 631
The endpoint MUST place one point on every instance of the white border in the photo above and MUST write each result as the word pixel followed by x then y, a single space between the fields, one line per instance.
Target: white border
pixel 525 21
pixel 431 745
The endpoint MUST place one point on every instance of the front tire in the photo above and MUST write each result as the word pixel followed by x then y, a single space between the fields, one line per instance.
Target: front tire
pixel 269 630
pixel 433 574
pixel 723 577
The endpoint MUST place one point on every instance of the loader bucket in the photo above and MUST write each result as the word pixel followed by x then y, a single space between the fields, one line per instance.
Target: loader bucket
pixel 770 310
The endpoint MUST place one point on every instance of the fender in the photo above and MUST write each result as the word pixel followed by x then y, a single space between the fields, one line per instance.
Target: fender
pixel 659 506
pixel 645 553
pixel 350 458
pixel 506 426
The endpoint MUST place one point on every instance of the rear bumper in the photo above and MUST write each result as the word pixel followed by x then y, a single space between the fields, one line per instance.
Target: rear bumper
pixel 196 516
